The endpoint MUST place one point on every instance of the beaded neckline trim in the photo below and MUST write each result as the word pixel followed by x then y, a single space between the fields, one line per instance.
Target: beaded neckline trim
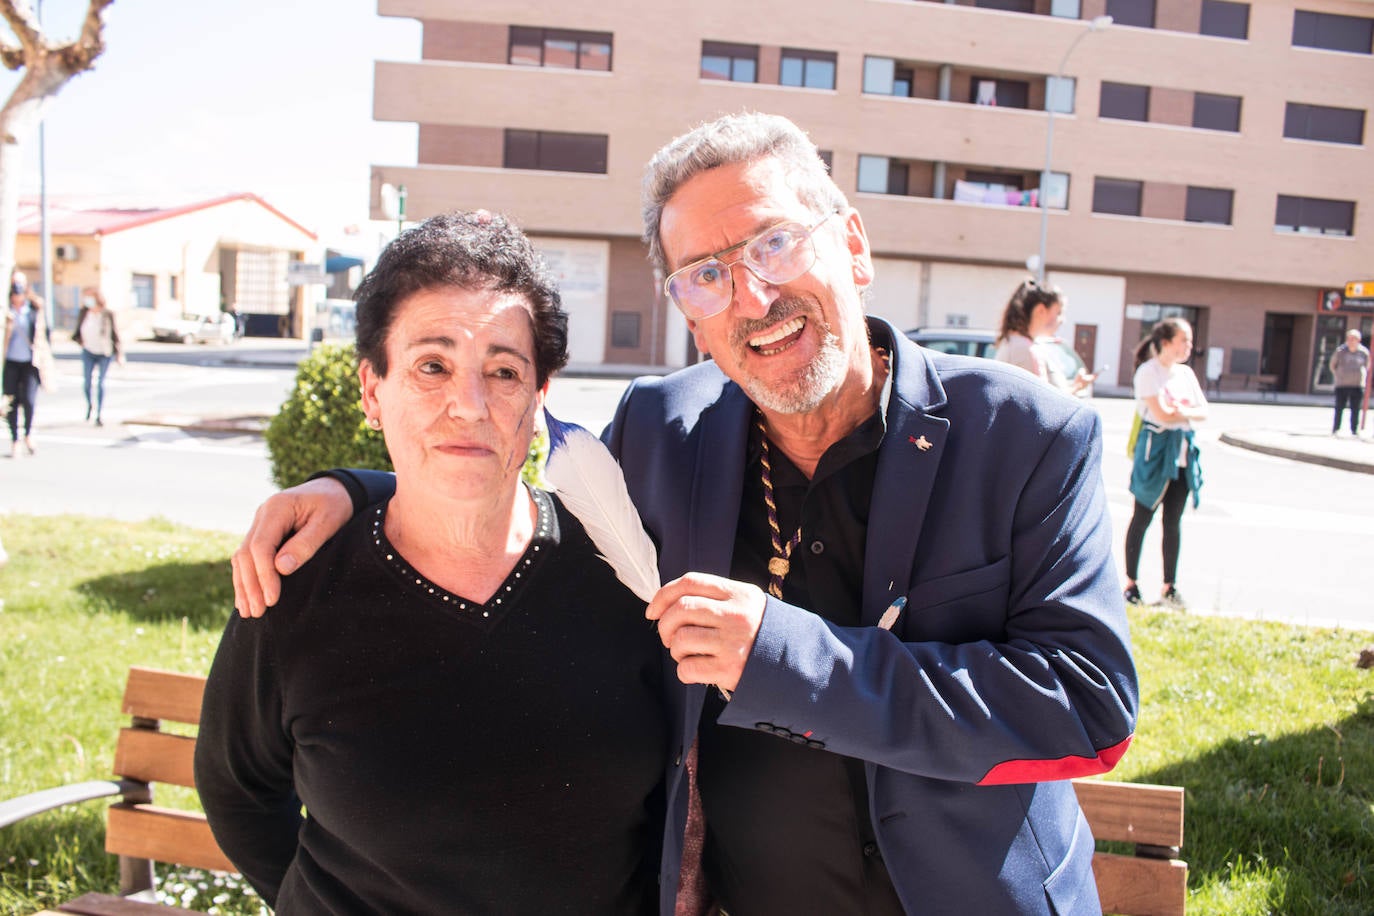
pixel 543 538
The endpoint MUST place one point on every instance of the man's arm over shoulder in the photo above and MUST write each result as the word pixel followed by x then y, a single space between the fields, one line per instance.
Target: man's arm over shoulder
pixel 1047 692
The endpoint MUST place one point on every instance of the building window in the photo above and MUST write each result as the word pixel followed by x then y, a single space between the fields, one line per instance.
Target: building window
pixel 1124 101
pixel 625 330
pixel 1209 205
pixel 141 290
pixel 807 69
pixel 882 175
pixel 1216 112
pixel 724 61
pixel 1223 19
pixel 1315 215
pixel 1054 191
pixel 172 288
pixel 882 76
pixel 563 48
pixel 1330 32
pixel 1004 93
pixel 555 152
pixel 1132 12
pixel 1116 195
pixel 1059 94
pixel 1010 6
pixel 1066 9
pixel 828 157
pixel 1321 122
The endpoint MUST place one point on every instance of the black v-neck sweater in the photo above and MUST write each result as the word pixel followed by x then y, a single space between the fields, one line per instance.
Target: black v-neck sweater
pixel 453 756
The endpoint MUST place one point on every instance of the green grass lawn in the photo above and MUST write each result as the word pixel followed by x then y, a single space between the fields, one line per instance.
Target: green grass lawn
pixel 1270 728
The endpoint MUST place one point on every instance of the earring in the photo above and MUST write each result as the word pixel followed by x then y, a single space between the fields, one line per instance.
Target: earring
pixel 374 422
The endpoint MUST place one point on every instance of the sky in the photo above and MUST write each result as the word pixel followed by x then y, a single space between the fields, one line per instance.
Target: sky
pixel 194 99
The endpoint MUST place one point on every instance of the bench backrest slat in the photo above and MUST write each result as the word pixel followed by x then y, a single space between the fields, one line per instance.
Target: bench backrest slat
pixel 154 694
pixel 155 757
pixel 163 835
pixel 1140 887
pixel 1132 812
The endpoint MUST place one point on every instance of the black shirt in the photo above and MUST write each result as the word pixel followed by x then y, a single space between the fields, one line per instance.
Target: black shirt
pixel 787 826
pixel 455 756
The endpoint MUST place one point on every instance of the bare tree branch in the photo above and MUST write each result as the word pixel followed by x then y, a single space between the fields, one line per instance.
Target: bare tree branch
pixel 11 55
pixel 22 19
pixel 81 53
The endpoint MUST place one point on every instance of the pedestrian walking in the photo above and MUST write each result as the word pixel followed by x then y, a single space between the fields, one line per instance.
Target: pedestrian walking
pixel 28 359
pixel 1350 365
pixel 1165 468
pixel 98 335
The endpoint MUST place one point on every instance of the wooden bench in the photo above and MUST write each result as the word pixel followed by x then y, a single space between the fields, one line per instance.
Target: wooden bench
pixel 1152 882
pixel 136 830
pixel 1266 385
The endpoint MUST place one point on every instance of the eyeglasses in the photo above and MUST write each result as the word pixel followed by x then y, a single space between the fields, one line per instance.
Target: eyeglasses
pixel 777 255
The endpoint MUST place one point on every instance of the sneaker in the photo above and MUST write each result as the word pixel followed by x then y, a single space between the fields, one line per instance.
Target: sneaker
pixel 1173 598
pixel 1132 595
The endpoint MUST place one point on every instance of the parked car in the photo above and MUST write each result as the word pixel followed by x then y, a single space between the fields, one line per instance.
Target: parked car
pixel 191 328
pixel 980 342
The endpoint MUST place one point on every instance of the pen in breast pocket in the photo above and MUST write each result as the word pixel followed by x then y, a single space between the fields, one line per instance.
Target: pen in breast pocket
pixel 890 615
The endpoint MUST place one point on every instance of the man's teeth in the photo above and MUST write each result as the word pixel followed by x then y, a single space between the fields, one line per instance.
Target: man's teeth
pixel 782 331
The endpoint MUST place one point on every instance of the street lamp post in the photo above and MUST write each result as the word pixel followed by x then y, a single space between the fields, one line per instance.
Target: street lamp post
pixel 1096 24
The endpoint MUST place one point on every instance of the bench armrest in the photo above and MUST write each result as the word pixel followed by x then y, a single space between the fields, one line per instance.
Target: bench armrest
pixel 17 809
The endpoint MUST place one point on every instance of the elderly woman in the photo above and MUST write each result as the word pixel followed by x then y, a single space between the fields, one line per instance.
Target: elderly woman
pixel 458 690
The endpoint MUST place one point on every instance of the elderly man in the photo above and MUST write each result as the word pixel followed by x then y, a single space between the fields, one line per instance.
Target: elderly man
pixel 897 563
pixel 1350 367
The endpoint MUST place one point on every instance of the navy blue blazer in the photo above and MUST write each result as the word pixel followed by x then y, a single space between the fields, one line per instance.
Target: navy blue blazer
pixel 1010 669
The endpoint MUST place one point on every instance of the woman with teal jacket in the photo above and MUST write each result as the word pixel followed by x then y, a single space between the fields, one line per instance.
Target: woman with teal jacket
pixel 1165 468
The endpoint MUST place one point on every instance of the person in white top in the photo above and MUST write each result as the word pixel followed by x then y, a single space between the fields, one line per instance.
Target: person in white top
pixel 98 335
pixel 1165 469
pixel 1035 311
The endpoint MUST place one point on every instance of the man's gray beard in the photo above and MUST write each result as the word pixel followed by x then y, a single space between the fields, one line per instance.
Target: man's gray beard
pixel 817 381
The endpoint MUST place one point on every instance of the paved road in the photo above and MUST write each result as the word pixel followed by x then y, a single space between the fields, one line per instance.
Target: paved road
pixel 1273 539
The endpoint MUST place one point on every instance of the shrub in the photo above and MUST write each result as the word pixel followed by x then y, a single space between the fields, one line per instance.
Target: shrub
pixel 321 424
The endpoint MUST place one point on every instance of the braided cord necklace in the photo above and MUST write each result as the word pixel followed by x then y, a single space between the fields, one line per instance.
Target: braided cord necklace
pixel 780 562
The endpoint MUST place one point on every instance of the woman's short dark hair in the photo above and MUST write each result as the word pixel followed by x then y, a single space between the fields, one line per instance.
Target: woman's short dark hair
pixel 472 251
pixel 1016 316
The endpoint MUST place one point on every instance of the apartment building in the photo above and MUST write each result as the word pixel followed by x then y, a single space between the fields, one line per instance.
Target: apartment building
pixel 1209 158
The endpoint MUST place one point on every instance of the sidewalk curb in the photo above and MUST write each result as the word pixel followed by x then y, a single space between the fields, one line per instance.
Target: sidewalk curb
pixel 1330 461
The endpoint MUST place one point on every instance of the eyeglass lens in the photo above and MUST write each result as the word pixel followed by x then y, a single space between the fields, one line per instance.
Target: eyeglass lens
pixel 779 255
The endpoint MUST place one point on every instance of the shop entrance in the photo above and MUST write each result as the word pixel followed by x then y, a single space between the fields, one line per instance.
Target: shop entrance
pixel 1277 349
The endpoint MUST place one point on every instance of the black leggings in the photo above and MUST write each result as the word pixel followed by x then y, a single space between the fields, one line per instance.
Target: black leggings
pixel 1346 396
pixel 1175 498
pixel 21 384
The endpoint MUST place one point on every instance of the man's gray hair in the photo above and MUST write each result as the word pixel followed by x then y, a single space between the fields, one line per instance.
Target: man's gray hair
pixel 731 140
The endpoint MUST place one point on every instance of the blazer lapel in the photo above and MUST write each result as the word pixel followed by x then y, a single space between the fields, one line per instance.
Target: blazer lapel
pixel 907 465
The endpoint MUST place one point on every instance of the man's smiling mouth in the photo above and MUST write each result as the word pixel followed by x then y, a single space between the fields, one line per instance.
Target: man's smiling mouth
pixel 784 335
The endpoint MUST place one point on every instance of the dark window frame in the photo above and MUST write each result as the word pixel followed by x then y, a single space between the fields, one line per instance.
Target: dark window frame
pixel 1116 99
pixel 625 326
pixel 1293 213
pixel 1211 111
pixel 1110 193
pixel 540 36
pixel 1333 32
pixel 807 57
pixel 1214 206
pixel 735 54
pixel 544 151
pixel 1225 19
pixel 1322 123
pixel 1133 13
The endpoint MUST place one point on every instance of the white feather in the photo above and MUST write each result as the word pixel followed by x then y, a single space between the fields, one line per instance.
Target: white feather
pixel 590 484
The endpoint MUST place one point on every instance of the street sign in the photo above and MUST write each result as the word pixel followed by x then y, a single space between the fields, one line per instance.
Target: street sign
pixel 1359 296
pixel 303 273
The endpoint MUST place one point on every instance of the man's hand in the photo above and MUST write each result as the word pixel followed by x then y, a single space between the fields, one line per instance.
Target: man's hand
pixel 314 510
pixel 709 624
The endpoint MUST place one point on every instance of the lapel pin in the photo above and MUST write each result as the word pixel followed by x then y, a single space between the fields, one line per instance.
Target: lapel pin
pixel 922 443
